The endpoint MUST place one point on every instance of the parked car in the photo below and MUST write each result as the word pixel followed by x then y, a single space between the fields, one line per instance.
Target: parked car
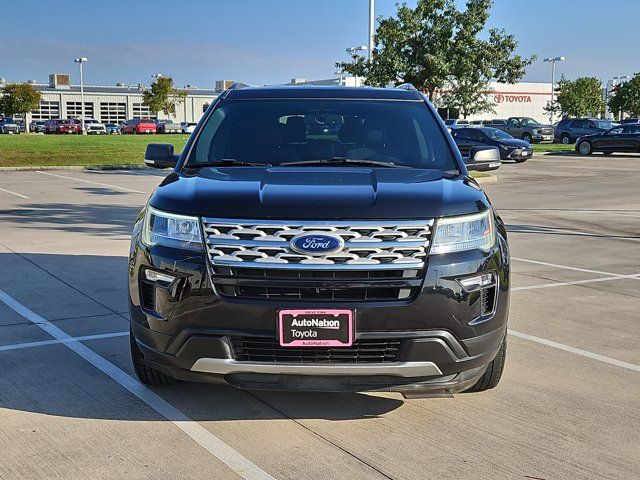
pixel 187 127
pixel 624 138
pixel 629 120
pixel 456 122
pixel 22 127
pixel 112 129
pixel 58 125
pixel 527 129
pixel 570 129
pixel 9 125
pixel 168 126
pixel 94 127
pixel 139 125
pixel 500 123
pixel 510 148
pixel 305 262
pixel 37 126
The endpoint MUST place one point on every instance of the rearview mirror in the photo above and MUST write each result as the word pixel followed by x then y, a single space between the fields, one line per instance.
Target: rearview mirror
pixel 482 159
pixel 160 155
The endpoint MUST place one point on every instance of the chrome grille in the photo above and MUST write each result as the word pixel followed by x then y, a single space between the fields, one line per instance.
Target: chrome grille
pixel 380 261
pixel 546 131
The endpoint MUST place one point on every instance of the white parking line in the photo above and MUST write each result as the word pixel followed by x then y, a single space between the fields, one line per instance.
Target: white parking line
pixel 234 460
pixel 565 267
pixel 576 351
pixel 14 193
pixel 635 276
pixel 89 181
pixel 42 343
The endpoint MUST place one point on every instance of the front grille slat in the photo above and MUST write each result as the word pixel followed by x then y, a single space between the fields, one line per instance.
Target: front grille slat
pixel 377 263
pixel 264 349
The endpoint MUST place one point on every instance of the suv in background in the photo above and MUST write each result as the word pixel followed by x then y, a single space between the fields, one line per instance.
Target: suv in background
pixel 570 129
pixel 94 127
pixel 9 125
pixel 527 129
pixel 499 123
pixel 278 257
pixel 37 126
pixel 629 120
pixel 139 125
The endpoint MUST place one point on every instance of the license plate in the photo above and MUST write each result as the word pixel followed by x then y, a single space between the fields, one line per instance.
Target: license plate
pixel 315 328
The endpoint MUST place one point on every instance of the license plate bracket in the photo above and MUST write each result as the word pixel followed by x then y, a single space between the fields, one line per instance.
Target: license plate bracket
pixel 316 328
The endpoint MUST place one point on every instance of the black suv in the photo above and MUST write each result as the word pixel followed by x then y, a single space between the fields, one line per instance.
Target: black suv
pixel 570 129
pixel 358 258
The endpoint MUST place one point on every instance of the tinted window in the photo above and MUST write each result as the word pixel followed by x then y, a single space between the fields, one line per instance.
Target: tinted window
pixel 632 129
pixel 277 131
pixel 496 134
pixel 602 124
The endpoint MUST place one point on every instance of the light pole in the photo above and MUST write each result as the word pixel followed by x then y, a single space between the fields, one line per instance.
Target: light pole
pixel 359 48
pixel 81 60
pixel 372 19
pixel 553 61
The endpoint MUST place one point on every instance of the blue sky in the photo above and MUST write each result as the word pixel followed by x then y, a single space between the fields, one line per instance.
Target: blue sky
pixel 271 41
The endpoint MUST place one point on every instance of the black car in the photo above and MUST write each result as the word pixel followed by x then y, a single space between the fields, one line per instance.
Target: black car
pixel 624 138
pixel 570 129
pixel 510 148
pixel 271 258
pixel 37 126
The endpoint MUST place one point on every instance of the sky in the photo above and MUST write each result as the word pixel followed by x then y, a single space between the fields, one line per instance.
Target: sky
pixel 271 41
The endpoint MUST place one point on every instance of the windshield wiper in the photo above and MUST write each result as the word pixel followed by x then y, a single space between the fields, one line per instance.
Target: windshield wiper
pixel 227 162
pixel 343 161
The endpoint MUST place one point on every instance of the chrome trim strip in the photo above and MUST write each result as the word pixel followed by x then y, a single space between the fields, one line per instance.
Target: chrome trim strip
pixel 321 266
pixel 211 240
pixel 223 366
pixel 328 223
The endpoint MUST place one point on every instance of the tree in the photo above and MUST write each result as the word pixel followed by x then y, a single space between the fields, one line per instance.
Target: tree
pixel 626 98
pixel 469 98
pixel 436 46
pixel 19 98
pixel 163 96
pixel 581 97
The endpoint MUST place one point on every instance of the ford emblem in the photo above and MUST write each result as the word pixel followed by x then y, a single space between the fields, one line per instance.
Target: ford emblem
pixel 316 243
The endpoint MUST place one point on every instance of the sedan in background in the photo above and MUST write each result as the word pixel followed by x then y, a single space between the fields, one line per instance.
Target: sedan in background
pixel 510 148
pixel 570 129
pixel 187 127
pixel 624 138
pixel 168 126
pixel 112 129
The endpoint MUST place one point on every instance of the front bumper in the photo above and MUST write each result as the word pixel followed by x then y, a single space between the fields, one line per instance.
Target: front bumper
pixel 540 138
pixel 517 154
pixel 445 342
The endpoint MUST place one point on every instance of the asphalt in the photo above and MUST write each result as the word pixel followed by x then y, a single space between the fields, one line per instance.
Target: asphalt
pixel 566 408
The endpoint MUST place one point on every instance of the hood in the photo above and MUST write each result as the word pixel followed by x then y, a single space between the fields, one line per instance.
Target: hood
pixel 514 142
pixel 317 193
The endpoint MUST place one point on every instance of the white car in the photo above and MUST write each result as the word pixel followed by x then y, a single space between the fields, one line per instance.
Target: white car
pixel 187 127
pixel 94 127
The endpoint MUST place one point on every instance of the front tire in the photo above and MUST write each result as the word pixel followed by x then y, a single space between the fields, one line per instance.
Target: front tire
pixel 585 148
pixel 526 137
pixel 491 377
pixel 520 160
pixel 145 373
pixel 565 139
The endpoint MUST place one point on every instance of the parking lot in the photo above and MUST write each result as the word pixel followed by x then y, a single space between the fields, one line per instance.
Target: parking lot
pixel 567 406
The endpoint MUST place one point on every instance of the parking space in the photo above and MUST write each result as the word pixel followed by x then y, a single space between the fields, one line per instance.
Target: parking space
pixel 567 406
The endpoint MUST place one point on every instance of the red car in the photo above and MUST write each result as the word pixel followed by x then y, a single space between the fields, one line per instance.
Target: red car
pixel 59 125
pixel 139 125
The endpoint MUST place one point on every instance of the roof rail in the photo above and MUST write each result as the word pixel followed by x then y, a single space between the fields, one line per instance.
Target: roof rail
pixel 406 86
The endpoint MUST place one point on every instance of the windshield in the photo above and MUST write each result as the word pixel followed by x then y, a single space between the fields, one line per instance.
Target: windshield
pixel 605 125
pixel 294 130
pixel 496 134
pixel 529 121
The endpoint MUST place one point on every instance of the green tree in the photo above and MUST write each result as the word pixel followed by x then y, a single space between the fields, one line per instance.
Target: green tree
pixel 626 98
pixel 19 98
pixel 581 97
pixel 435 45
pixel 163 96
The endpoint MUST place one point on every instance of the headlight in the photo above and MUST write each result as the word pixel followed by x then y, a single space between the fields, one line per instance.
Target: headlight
pixel 536 131
pixel 171 230
pixel 458 234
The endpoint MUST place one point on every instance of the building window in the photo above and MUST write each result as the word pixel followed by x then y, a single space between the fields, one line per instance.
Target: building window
pixel 112 112
pixel 74 109
pixel 142 111
pixel 47 111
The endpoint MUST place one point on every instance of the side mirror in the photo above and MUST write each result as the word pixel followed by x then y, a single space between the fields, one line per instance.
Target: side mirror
pixel 482 159
pixel 160 155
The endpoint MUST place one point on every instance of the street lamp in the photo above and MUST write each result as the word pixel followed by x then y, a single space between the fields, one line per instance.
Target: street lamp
pixel 553 61
pixel 81 60
pixel 157 76
pixel 359 48
pixel 372 19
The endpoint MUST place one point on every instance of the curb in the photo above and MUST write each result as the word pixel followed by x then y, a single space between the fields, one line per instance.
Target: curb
pixel 487 180
pixel 76 168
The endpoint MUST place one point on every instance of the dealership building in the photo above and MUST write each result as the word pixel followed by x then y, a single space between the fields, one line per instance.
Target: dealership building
pixel 115 104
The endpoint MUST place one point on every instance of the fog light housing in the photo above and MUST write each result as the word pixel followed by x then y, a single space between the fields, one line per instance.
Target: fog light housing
pixel 154 276
pixel 477 281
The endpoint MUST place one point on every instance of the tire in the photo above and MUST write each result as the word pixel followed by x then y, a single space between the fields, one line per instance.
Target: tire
pixel 145 373
pixel 585 148
pixel 526 137
pixel 565 139
pixel 521 160
pixel 491 377
pixel 134 132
